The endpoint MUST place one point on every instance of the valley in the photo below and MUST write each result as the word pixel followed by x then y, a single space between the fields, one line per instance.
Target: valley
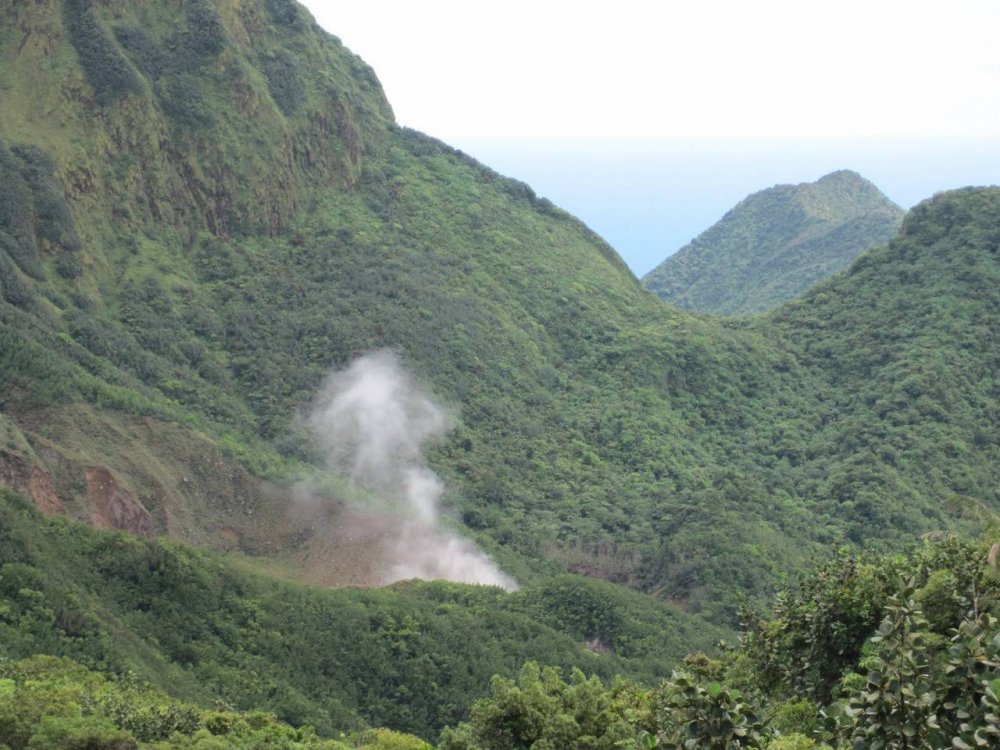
pixel 207 212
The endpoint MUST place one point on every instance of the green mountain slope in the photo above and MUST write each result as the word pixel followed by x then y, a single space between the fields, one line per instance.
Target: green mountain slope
pixel 775 244
pixel 206 207
pixel 222 268
pixel 906 340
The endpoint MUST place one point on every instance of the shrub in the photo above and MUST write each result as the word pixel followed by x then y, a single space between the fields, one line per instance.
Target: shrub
pixel 284 12
pixel 17 235
pixel 143 50
pixel 107 70
pixel 386 739
pixel 12 287
pixel 709 717
pixel 53 218
pixel 182 101
pixel 79 733
pixel 284 81
pixel 206 34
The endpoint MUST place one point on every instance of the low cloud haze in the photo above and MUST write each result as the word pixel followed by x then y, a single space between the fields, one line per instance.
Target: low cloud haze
pixel 373 421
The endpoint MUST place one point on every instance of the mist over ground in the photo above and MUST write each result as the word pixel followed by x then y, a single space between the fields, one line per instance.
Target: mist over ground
pixel 372 421
pixel 650 198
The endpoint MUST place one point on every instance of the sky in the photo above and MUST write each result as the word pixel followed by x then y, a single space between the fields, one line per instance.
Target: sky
pixel 566 95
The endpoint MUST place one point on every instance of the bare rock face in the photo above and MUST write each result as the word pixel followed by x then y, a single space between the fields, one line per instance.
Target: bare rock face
pixel 32 480
pixel 43 493
pixel 114 507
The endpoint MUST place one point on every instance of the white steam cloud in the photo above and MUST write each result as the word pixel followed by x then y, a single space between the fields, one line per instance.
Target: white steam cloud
pixel 372 420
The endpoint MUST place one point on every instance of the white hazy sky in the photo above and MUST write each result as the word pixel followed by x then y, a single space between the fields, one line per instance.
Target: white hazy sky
pixel 649 120
pixel 709 68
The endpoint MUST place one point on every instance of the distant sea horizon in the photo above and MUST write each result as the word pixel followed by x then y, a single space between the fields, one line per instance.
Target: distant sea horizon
pixel 649 198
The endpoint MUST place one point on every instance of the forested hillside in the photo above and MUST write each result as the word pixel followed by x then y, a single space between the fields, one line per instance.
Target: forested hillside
pixel 907 340
pixel 895 650
pixel 207 628
pixel 206 208
pixel 878 651
pixel 775 244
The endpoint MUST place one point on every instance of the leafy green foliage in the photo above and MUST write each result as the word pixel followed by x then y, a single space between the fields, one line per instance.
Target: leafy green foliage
pixel 53 218
pixel 172 66
pixel 541 711
pixel 30 374
pixel 193 624
pixel 182 100
pixel 284 12
pixel 54 222
pixel 776 244
pixel 234 260
pixel 921 689
pixel 12 288
pixel 33 208
pixel 970 692
pixel 926 683
pixel 205 35
pixel 611 619
pixel 911 363
pixel 896 707
pixel 709 717
pixel 56 704
pixel 820 628
pixel 144 51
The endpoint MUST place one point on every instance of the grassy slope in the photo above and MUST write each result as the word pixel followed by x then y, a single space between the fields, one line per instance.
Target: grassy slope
pixel 776 244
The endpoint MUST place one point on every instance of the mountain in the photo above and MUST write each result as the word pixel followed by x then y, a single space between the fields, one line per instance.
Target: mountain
pixel 775 244
pixel 905 339
pixel 191 254
pixel 209 219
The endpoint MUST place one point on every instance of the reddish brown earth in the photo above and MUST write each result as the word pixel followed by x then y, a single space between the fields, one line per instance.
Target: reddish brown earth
pixel 113 506
pixel 350 550
pixel 32 480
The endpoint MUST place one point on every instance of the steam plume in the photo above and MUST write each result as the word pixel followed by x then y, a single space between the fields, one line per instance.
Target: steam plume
pixel 372 421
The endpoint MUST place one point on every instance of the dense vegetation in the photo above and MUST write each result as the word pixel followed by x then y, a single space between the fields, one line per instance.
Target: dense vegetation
pixel 776 244
pixel 206 629
pixel 865 650
pixel 224 211
pixel 898 651
pixel 47 702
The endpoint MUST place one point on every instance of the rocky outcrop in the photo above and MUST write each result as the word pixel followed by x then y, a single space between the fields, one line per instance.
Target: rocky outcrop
pixel 113 506
pixel 30 479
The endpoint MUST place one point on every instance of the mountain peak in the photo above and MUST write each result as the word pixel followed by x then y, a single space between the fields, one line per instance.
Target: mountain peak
pixel 843 175
pixel 776 243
